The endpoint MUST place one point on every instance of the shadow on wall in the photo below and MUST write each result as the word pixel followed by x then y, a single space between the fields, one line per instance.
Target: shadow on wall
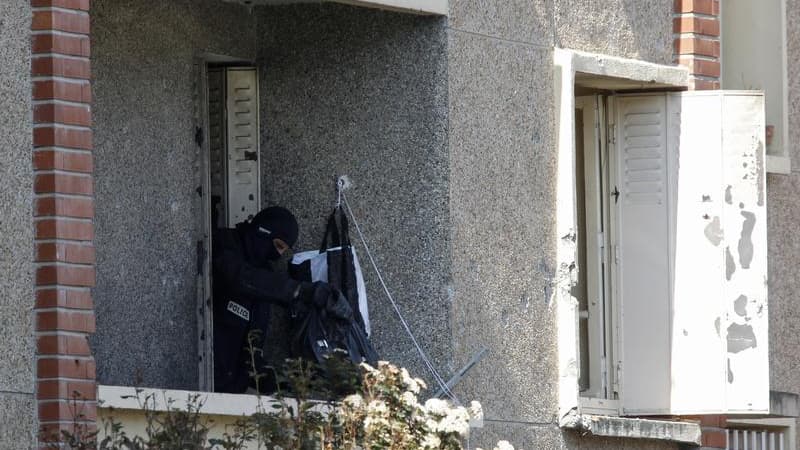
pixel 362 92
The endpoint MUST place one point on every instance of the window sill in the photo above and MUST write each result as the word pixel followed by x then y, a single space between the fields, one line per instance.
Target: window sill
pixel 162 400
pixel 779 164
pixel 665 430
pixel 213 403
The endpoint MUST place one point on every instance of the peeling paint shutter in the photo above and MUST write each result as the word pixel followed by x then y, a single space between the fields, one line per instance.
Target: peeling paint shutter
pixel 720 352
pixel 641 252
pixel 698 351
pixel 745 215
pixel 243 145
pixel 692 269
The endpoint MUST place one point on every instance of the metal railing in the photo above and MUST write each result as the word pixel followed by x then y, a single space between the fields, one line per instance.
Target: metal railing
pixel 741 439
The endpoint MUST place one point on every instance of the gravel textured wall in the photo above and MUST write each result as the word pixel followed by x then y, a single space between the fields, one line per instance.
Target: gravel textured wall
pixel 502 197
pixel 363 92
pixel 146 174
pixel 628 28
pixel 783 213
pixel 17 410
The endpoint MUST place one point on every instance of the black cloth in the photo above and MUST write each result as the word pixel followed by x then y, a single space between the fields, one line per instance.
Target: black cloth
pixel 243 295
pixel 319 332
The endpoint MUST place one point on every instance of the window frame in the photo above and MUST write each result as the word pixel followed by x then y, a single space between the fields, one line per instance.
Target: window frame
pixel 569 65
pixel 778 159
pixel 204 309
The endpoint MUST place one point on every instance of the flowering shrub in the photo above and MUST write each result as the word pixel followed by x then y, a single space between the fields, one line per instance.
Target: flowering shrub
pixel 381 411
pixel 386 414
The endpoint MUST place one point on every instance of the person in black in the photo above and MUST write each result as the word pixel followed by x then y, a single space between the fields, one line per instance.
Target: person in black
pixel 245 287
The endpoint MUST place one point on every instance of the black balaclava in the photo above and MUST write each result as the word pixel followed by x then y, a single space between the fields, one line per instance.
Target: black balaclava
pixel 271 223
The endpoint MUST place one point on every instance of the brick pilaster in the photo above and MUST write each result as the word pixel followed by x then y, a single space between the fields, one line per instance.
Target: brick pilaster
pixel 696 27
pixel 713 433
pixel 63 214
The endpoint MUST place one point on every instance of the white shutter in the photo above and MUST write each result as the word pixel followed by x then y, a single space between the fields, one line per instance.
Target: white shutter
pixel 243 172
pixel 216 142
pixel 744 326
pixel 698 351
pixel 691 224
pixel 641 252
pixel 720 353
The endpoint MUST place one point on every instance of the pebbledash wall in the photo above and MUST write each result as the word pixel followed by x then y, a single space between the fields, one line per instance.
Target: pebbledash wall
pixel 783 215
pixel 17 366
pixel 446 127
pixel 146 180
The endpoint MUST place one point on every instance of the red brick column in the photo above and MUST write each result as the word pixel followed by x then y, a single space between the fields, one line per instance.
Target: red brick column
pixel 63 213
pixel 696 25
pixel 712 428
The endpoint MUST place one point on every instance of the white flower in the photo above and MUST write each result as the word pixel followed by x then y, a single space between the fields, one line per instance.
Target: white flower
pixel 475 411
pixel 431 441
pixel 411 383
pixel 409 399
pixel 437 406
pixel 456 421
pixel 377 408
pixel 355 401
pixel 504 445
pixel 373 423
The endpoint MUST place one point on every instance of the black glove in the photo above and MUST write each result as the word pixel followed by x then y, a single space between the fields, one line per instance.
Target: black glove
pixel 314 294
pixel 321 295
pixel 338 306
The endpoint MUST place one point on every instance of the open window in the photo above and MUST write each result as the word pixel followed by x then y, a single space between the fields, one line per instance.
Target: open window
pixel 662 227
pixel 671 253
pixel 229 110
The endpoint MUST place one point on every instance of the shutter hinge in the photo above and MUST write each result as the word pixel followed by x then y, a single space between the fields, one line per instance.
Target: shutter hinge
pixel 198 136
pixel 612 133
pixel 616 254
pixel 201 257
pixel 603 375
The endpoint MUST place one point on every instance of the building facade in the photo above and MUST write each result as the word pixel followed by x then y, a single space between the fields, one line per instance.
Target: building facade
pixel 456 124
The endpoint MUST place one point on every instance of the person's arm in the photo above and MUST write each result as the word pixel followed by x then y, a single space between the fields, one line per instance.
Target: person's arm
pixel 257 283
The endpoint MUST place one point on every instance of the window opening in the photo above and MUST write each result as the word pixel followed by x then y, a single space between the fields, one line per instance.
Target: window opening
pixel 229 119
pixel 592 216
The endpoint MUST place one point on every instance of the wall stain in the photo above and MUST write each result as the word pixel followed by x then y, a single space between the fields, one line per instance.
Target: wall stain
pixel 760 171
pixel 746 241
pixel 716 325
pixel 740 337
pixel 730 372
pixel 713 232
pixel 740 305
pixel 730 265
pixel 728 195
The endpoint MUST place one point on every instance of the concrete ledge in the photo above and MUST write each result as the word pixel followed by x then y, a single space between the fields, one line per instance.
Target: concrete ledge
pixel 779 164
pixel 614 73
pixel 423 7
pixel 162 400
pixel 625 427
pixel 784 404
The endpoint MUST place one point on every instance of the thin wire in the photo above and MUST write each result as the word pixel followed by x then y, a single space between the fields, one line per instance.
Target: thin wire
pixel 339 189
pixel 437 377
